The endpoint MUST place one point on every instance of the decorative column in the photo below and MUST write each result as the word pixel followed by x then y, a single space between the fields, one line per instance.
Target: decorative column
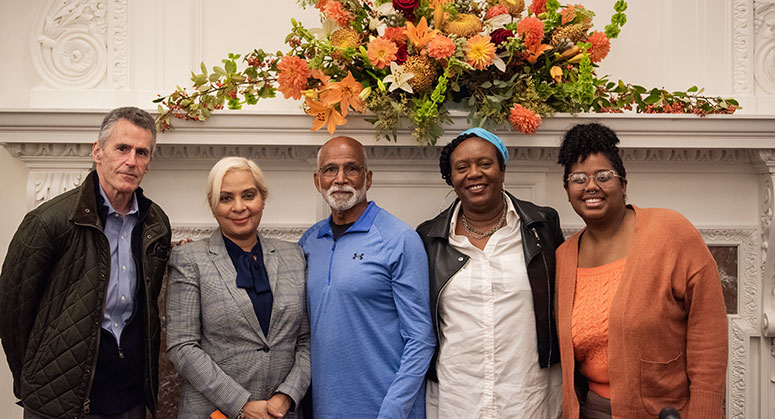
pixel 766 211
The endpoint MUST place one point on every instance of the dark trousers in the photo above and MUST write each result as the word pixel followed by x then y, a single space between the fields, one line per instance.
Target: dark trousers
pixel 595 407
pixel 137 412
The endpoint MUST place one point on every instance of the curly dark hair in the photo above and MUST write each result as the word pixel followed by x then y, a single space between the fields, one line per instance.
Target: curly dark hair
pixel 584 139
pixel 446 154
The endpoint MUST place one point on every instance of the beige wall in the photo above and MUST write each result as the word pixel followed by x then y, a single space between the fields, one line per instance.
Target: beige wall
pixel 14 180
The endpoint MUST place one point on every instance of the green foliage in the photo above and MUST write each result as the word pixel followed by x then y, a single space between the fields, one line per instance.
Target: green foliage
pixel 618 20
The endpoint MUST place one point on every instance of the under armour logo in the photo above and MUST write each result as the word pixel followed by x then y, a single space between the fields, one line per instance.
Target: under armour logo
pixel 358 256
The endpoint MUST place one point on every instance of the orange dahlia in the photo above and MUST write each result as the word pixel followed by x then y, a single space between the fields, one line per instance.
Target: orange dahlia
pixel 480 52
pixel 441 47
pixel 336 12
pixel 537 6
pixel 600 46
pixel 293 76
pixel 496 10
pixel 381 52
pixel 523 119
pixel 533 30
pixel 397 35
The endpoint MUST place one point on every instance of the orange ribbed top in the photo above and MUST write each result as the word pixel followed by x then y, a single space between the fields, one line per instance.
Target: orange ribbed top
pixel 595 289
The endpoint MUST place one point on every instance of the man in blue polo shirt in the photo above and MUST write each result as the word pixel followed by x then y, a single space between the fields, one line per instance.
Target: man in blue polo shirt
pixel 367 290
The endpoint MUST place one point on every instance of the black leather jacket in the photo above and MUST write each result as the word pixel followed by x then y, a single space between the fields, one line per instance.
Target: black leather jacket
pixel 541 235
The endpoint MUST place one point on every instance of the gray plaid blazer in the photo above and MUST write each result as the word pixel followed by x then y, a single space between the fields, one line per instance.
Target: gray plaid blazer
pixel 214 339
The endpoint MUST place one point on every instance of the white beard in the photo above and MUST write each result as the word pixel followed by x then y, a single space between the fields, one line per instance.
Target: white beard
pixel 343 204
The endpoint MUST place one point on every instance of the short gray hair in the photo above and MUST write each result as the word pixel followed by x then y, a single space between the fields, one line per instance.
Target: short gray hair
pixel 135 116
pixel 232 164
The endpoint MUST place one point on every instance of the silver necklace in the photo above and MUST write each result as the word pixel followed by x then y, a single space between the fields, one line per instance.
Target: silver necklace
pixel 476 234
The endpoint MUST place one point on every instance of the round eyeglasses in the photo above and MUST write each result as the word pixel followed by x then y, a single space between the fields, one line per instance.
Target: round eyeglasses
pixel 603 178
pixel 350 170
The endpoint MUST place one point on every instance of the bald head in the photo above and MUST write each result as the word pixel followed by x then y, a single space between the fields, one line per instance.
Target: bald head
pixel 343 145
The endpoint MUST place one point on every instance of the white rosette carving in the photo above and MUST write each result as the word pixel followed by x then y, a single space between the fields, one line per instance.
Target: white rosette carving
pixel 69 47
pixel 764 29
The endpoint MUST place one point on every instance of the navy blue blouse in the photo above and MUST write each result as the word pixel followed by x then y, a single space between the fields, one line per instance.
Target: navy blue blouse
pixel 252 277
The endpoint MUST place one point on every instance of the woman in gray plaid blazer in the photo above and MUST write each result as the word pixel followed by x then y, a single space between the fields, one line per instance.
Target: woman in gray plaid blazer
pixel 237 328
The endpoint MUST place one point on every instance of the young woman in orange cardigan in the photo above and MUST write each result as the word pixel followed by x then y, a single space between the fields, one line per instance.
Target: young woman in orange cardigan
pixel 640 311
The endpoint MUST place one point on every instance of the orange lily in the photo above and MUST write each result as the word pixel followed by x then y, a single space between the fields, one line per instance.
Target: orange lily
pixel 556 73
pixel 535 51
pixel 320 75
pixel 419 35
pixel 324 115
pixel 345 93
pixel 438 11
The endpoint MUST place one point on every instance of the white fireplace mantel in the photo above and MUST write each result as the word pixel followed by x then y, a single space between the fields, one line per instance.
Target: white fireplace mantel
pixel 293 129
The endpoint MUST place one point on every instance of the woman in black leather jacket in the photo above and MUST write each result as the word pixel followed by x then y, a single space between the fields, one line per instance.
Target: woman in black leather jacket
pixel 491 260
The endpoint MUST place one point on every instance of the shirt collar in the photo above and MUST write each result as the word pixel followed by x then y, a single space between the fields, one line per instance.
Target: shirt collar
pixel 512 218
pixel 133 208
pixel 363 223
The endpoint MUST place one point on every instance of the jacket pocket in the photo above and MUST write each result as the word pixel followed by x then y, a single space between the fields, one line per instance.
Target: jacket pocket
pixel 664 383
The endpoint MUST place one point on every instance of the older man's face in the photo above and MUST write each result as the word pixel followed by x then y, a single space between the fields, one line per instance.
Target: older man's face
pixel 124 158
pixel 342 177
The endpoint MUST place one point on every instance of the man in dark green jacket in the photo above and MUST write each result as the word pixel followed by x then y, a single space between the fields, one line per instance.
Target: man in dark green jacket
pixel 79 320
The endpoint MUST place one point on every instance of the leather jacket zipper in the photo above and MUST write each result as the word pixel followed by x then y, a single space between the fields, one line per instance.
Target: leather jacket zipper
pixel 549 293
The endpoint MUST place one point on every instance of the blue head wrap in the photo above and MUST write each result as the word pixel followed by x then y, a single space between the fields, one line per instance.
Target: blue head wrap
pixel 494 139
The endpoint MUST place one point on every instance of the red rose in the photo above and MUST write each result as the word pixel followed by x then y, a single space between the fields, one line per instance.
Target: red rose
pixel 406 7
pixel 402 54
pixel 499 36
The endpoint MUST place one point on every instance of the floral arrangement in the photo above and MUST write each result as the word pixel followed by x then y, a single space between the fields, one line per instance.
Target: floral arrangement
pixel 406 61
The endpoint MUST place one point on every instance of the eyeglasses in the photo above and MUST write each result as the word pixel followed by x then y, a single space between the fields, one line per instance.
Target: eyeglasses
pixel 602 178
pixel 350 170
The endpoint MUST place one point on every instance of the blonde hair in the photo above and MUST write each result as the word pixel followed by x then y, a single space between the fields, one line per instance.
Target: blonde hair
pixel 231 164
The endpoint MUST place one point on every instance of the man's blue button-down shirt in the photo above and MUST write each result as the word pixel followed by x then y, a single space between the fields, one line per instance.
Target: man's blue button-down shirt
pixel 119 302
pixel 371 333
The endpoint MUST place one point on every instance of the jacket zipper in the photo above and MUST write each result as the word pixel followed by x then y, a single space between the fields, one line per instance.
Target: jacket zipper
pixel 87 402
pixel 549 293
pixel 438 298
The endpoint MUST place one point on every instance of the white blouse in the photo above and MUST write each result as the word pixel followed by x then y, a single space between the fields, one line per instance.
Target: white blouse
pixel 488 360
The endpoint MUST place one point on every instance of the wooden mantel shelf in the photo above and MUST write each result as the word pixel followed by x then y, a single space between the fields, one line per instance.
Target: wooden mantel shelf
pixel 293 129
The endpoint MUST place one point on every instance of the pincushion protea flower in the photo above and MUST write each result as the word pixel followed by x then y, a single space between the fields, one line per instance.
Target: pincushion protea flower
pixel 464 25
pixel 424 72
pixel 344 38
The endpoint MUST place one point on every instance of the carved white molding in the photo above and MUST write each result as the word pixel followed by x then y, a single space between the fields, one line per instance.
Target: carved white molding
pixel 307 154
pixel 118 45
pixel 744 326
pixel 43 185
pixel 69 48
pixel 764 30
pixel 198 232
pixel 743 46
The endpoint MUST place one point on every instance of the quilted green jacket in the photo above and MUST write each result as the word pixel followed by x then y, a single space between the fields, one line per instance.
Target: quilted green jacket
pixel 52 297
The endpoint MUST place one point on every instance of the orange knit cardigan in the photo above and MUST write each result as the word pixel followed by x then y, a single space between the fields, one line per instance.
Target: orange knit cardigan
pixel 667 338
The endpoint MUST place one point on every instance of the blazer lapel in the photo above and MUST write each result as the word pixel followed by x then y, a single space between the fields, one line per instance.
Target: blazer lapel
pixel 220 258
pixel 272 265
